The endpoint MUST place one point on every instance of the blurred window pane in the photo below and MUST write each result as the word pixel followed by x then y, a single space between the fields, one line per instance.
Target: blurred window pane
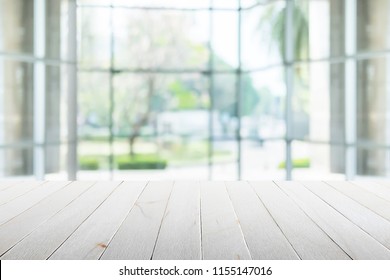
pixel 160 39
pixel 17 26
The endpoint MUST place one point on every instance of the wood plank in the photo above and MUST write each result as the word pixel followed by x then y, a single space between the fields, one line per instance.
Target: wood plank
pixel 16 229
pixel 366 198
pixel 309 241
pixel 45 239
pixel 137 235
pixel 370 222
pixel 264 238
pixel 91 238
pixel 352 239
pixel 222 237
pixel 375 188
pixel 7 184
pixel 17 190
pixel 180 236
pixel 24 202
pixel 383 183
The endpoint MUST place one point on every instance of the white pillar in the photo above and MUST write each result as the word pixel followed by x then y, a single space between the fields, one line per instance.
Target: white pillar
pixel 289 73
pixel 350 89
pixel 39 88
pixel 72 91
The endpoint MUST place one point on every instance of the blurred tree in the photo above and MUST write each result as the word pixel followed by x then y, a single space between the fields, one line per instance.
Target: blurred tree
pixel 273 22
pixel 154 42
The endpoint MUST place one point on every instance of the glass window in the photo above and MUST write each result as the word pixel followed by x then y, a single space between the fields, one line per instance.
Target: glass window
pixel 318 102
pixel 263 104
pixel 262 35
pixel 94 37
pixel 373 162
pixel 373 23
pixel 224 44
pixel 17 26
pixel 16 102
pixel 373 101
pixel 155 39
pixel 317 161
pixel 263 160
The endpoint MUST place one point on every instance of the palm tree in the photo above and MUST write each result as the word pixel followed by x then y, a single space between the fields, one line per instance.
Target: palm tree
pixel 273 21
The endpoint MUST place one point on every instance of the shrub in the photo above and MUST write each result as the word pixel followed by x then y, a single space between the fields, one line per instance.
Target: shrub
pixel 88 163
pixel 297 163
pixel 140 162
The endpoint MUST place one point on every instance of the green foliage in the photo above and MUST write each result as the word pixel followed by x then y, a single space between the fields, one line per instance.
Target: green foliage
pixel 297 163
pixel 274 21
pixel 140 161
pixel 250 97
pixel 88 163
pixel 274 18
pixel 186 98
pixel 225 90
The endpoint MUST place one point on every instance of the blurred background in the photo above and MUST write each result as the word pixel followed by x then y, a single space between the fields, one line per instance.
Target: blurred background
pixel 195 89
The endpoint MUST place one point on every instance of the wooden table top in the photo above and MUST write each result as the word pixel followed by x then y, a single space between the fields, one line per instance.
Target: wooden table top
pixel 194 220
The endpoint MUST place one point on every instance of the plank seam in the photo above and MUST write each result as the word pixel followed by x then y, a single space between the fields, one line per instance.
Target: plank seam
pixel 369 191
pixel 358 201
pixel 67 184
pixel 347 217
pixel 201 222
pixel 238 221
pixel 46 219
pixel 85 219
pixel 162 220
pixel 382 184
pixel 12 184
pixel 12 199
pixel 313 220
pixel 128 213
pixel 272 217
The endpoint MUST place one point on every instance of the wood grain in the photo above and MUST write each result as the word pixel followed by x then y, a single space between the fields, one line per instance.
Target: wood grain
pixel 16 229
pixel 45 239
pixel 308 240
pixel 370 222
pixel 90 240
pixel 7 184
pixel 180 236
pixel 24 202
pixel 366 198
pixel 195 220
pixel 378 189
pixel 136 238
pixel 352 239
pixel 222 237
pixel 17 190
pixel 264 238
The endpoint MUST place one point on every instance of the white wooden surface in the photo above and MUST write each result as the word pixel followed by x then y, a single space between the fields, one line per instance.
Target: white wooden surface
pixel 6 184
pixel 24 202
pixel 370 200
pixel 194 220
pixel 264 238
pixel 222 237
pixel 180 235
pixel 17 190
pixel 358 244
pixel 41 243
pixel 306 237
pixel 91 239
pixel 137 236
pixel 19 227
pixel 373 224
pixel 376 188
